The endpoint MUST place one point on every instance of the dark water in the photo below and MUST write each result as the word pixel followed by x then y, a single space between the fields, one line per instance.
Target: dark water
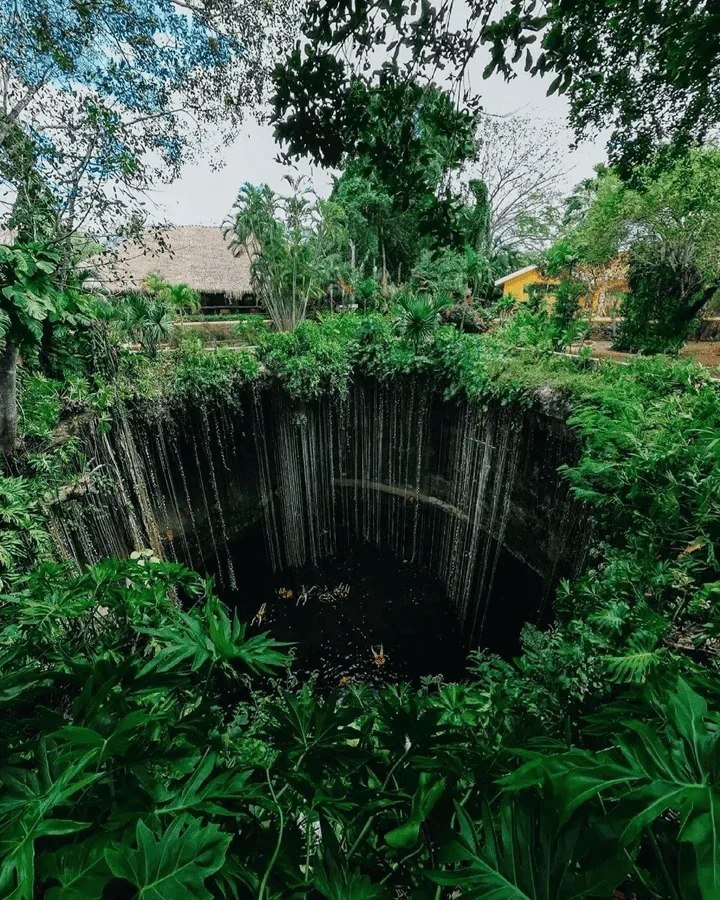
pixel 367 616
pixel 362 615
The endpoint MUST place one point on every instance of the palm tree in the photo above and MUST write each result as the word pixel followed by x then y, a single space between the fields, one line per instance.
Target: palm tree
pixel 289 241
pixel 174 296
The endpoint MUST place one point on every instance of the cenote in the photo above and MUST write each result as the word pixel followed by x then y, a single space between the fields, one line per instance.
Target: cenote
pixel 386 533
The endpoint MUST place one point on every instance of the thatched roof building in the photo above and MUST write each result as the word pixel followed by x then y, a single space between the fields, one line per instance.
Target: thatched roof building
pixel 196 255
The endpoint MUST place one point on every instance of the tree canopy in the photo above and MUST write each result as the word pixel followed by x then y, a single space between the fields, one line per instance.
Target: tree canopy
pixel 101 100
pixel 668 230
pixel 647 69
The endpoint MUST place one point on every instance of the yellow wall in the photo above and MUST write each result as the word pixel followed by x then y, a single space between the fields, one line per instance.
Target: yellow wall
pixel 516 286
pixel 605 284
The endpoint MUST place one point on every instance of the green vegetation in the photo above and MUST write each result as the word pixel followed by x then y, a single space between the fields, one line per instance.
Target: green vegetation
pixel 667 230
pixel 147 750
pixel 154 746
pixel 292 244
pixel 148 745
pixel 642 69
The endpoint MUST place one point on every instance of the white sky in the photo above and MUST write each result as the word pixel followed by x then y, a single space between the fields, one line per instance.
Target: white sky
pixel 204 194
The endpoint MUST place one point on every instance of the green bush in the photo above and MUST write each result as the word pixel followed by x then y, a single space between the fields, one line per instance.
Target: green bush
pixel 666 293
pixel 146 754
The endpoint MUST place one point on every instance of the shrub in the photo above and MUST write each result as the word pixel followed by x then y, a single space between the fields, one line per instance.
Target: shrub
pixel 667 291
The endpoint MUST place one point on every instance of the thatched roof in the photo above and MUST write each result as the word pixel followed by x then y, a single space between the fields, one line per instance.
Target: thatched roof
pixel 197 255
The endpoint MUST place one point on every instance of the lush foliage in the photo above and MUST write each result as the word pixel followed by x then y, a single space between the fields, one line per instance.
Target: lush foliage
pixel 412 189
pixel 292 242
pixel 667 229
pixel 147 745
pixel 145 749
pixel 39 317
pixel 646 70
pixel 97 95
pixel 419 316
pixel 666 290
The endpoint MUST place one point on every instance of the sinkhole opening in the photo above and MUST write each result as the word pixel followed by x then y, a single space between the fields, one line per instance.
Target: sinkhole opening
pixel 385 533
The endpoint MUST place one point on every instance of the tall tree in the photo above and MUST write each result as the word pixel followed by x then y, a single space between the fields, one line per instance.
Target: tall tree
pixel 398 157
pixel 669 228
pixel 521 164
pixel 291 242
pixel 100 100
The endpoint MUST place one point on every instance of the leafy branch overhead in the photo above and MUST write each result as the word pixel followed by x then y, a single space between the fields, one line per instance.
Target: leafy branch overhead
pixel 646 70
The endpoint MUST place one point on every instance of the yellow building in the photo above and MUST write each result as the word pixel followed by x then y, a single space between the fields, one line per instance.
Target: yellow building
pixel 606 285
pixel 517 283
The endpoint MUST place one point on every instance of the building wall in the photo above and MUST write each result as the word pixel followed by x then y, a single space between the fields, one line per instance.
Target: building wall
pixel 606 286
pixel 518 286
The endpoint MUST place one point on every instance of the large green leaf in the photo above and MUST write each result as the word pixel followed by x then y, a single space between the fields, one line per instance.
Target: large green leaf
pixel 528 853
pixel 26 809
pixel 212 640
pixel 214 796
pixel 679 771
pixel 81 869
pixel 176 865
pixel 426 796
pixel 654 768
pixel 335 881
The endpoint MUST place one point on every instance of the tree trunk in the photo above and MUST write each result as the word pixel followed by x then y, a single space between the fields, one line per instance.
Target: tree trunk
pixel 8 398
pixel 384 267
pixel 352 255
pixel 703 299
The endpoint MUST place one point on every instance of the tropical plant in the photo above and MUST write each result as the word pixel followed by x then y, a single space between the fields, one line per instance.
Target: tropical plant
pixel 141 740
pixel 566 311
pixel 291 242
pixel 652 769
pixel 419 316
pixel 29 297
pixel 143 318
pixel 666 292
pixel 179 297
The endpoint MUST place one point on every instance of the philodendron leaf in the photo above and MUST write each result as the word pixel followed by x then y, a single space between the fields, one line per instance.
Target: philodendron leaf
pixel 334 881
pixel 426 796
pixel 81 869
pixel 176 865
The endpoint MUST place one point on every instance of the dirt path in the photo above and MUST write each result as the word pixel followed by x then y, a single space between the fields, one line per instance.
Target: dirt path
pixel 707 353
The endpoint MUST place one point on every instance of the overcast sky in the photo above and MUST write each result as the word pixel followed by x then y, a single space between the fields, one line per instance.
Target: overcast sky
pixel 204 194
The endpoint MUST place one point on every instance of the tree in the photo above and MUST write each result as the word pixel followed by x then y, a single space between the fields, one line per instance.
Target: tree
pixel 100 101
pixel 522 167
pixel 291 242
pixel 669 225
pixel 666 293
pixel 368 210
pixel 397 154
pixel 175 296
pixel 649 69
